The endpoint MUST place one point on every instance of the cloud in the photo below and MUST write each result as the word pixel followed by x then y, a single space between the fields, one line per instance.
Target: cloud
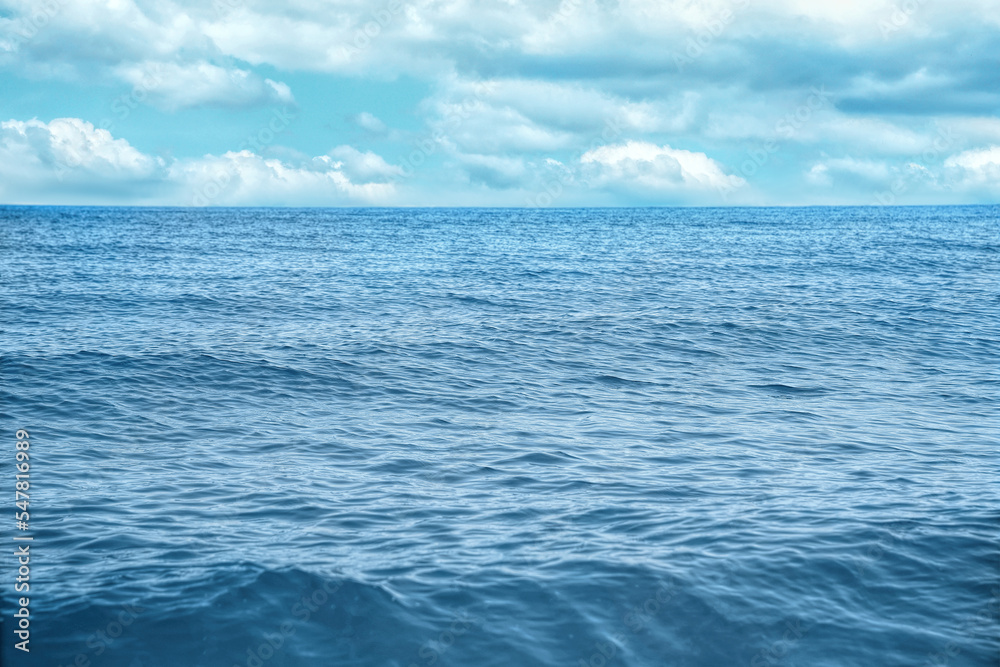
pixel 977 167
pixel 509 84
pixel 643 166
pixel 866 171
pixel 245 178
pixel 75 145
pixel 487 129
pixel 160 49
pixel 578 108
pixel 364 166
pixel 313 37
pixel 494 171
pixel 171 86
pixel 70 161
pixel 70 156
pixel 84 34
pixel 368 121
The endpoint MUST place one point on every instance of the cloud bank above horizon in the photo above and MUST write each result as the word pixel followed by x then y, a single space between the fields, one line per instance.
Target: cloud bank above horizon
pixel 500 103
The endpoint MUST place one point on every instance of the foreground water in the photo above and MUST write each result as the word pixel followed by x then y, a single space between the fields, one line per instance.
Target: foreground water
pixel 511 438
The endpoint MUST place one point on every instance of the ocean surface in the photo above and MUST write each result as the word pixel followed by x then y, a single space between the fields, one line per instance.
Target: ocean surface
pixel 415 438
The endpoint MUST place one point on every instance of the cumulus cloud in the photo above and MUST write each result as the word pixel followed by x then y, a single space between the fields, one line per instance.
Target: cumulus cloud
pixel 70 161
pixel 243 177
pixel 364 166
pixel 71 156
pixel 507 84
pixel 977 167
pixel 972 174
pixel 979 161
pixel 74 145
pixel 645 166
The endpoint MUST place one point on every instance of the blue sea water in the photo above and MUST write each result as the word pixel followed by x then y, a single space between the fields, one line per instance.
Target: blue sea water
pixel 406 438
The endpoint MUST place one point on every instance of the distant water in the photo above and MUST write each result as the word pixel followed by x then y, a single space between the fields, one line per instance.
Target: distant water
pixel 664 437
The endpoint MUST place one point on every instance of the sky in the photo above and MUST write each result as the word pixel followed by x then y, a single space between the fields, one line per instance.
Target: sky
pixel 547 103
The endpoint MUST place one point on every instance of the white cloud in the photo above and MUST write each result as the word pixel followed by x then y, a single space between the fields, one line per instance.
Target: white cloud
pixel 172 86
pixel 477 127
pixel 69 148
pixel 874 171
pixel 574 107
pixel 368 121
pixel 418 34
pixel 560 76
pixel 493 170
pixel 242 178
pixel 535 117
pixel 978 130
pixel 364 166
pixel 646 166
pixel 873 135
pixel 819 174
pixel 70 161
pixel 967 177
pixel 312 39
pixel 108 32
pixel 977 167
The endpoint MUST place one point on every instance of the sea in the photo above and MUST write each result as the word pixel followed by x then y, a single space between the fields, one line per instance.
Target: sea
pixel 678 437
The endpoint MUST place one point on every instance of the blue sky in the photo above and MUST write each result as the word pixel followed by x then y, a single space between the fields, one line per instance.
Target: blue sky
pixel 499 103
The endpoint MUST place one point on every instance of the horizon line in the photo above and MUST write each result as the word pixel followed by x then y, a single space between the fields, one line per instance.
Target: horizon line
pixel 505 208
